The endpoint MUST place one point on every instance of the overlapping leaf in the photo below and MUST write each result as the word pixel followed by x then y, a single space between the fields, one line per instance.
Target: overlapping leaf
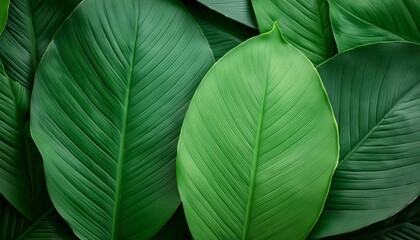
pixel 375 94
pixel 222 33
pixel 361 22
pixel 21 171
pixel 4 8
pixel 258 146
pixel 30 27
pixel 238 10
pixel 305 24
pixel 108 102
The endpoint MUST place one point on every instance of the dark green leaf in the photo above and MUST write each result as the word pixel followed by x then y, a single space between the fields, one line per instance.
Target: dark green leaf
pixel 109 99
pixel 238 10
pixel 175 229
pixel 375 94
pixel 258 146
pixel 305 24
pixel 359 22
pixel 4 8
pixel 222 33
pixel 30 27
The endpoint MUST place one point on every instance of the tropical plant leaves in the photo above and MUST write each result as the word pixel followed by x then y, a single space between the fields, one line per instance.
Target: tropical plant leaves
pixel 238 10
pixel 258 146
pixel 108 102
pixel 222 33
pixel 49 225
pixel 21 172
pixel 305 24
pixel 4 8
pixel 30 27
pixel 375 94
pixel 360 22
pixel 175 229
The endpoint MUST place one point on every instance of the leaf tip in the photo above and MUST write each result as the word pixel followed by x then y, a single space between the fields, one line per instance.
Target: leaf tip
pixel 276 31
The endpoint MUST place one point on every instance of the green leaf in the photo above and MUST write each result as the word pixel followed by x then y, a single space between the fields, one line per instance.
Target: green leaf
pixel 108 103
pixel 30 27
pixel 21 172
pixel 258 146
pixel 175 229
pixel 222 33
pixel 375 94
pixel 305 24
pixel 238 10
pixel 47 226
pixel 4 8
pixel 361 22
pixel 402 226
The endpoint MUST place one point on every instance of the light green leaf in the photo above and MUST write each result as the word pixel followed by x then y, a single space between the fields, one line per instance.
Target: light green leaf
pixel 21 172
pixel 222 33
pixel 30 27
pixel 4 8
pixel 375 94
pixel 258 146
pixel 361 22
pixel 49 225
pixel 305 24
pixel 109 99
pixel 238 10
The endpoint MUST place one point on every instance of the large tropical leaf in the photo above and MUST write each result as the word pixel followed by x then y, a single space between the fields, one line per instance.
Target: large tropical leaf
pixel 21 172
pixel 258 146
pixel 238 10
pixel 4 7
pixel 402 226
pixel 222 33
pixel 109 99
pixel 47 226
pixel 375 94
pixel 30 27
pixel 305 24
pixel 359 22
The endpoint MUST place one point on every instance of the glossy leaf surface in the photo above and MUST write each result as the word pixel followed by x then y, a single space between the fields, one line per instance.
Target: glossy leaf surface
pixel 30 27
pixel 258 146
pixel 108 102
pixel 238 10
pixel 21 172
pixel 361 22
pixel 49 225
pixel 4 8
pixel 305 24
pixel 375 94
pixel 222 33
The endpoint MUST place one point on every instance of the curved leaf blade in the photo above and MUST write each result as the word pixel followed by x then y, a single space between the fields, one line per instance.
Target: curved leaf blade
pixel 361 22
pixel 30 27
pixel 375 94
pixel 305 24
pixel 175 229
pixel 22 178
pixel 222 33
pixel 259 145
pixel 108 102
pixel 238 10
pixel 4 8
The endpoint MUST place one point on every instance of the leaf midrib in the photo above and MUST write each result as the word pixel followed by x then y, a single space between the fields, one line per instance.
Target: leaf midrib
pixel 32 37
pixel 36 223
pixel 355 148
pixel 255 158
pixel 121 154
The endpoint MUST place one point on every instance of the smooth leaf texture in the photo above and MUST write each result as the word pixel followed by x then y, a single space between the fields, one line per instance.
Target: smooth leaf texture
pixel 238 10
pixel 361 22
pixel 375 94
pixel 21 172
pixel 47 226
pixel 222 33
pixel 4 8
pixel 402 226
pixel 108 102
pixel 30 27
pixel 305 24
pixel 258 146
pixel 175 229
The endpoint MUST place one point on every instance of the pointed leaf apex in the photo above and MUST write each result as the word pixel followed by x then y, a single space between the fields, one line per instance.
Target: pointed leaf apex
pixel 276 32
